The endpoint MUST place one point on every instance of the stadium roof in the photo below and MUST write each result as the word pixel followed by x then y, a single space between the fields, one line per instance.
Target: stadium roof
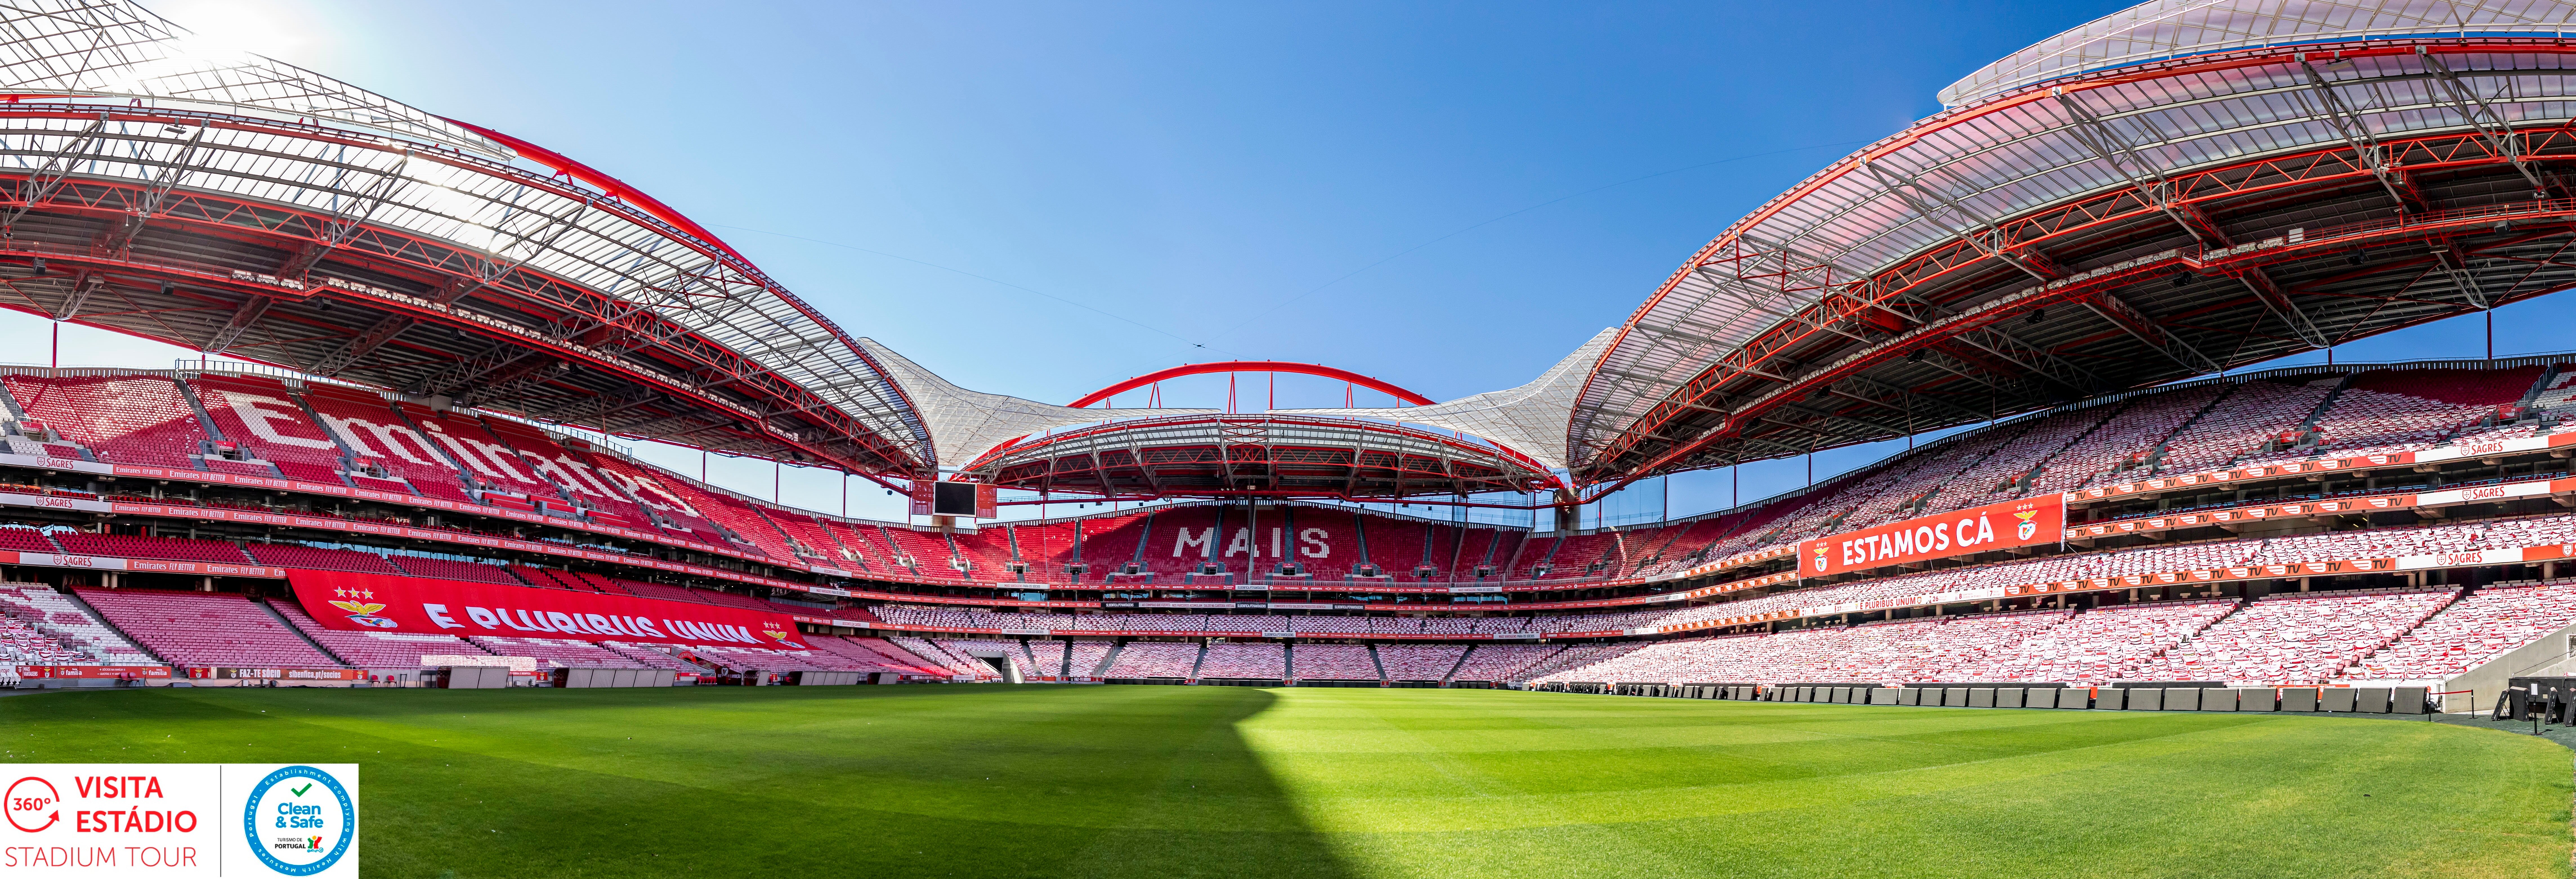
pixel 1529 419
pixel 965 424
pixel 2165 30
pixel 1270 455
pixel 2078 227
pixel 243 206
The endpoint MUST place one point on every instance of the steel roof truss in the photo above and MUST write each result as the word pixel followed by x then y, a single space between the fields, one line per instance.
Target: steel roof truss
pixel 2492 127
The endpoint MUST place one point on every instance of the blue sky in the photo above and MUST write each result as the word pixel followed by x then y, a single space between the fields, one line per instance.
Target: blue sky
pixel 1041 199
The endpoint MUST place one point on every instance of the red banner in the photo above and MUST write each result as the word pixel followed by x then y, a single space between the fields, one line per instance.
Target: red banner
pixel 2027 522
pixel 385 603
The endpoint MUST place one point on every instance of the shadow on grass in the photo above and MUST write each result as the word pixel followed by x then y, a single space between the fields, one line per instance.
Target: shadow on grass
pixel 1223 813
pixel 843 781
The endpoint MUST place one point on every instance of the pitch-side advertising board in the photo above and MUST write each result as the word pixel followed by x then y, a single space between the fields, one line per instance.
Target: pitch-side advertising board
pixel 1988 528
pixel 384 603
pixel 180 820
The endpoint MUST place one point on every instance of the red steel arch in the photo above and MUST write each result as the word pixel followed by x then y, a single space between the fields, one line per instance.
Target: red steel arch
pixel 1252 366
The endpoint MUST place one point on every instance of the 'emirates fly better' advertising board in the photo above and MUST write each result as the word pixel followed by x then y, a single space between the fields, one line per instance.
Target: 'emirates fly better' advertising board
pixel 2027 522
pixel 384 603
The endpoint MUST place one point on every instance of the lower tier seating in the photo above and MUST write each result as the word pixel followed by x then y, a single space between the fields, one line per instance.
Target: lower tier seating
pixel 400 650
pixel 557 652
pixel 1501 662
pixel 1244 660
pixel 206 628
pixel 1419 662
pixel 49 616
pixel 1147 659
pixel 1334 662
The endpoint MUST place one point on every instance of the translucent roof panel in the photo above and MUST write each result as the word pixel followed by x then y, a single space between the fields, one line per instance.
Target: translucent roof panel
pixel 1529 419
pixel 2176 28
pixel 258 130
pixel 118 48
pixel 965 424
pixel 1986 164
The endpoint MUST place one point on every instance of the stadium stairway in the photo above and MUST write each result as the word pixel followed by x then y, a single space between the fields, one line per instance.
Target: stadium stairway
pixel 1101 670
pixel 301 634
pixel 1379 663
pixel 1454 666
pixel 110 625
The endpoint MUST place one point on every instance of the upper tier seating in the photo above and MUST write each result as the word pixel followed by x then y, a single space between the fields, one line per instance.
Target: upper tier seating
pixel 930 554
pixel 1183 538
pixel 989 551
pixel 288 555
pixel 2127 437
pixel 2240 422
pixel 2472 631
pixel 447 569
pixel 205 628
pixel 571 471
pixel 1109 543
pixel 382 437
pixel 1245 660
pixel 130 546
pixel 490 463
pixel 1327 543
pixel 1989 481
pixel 20 538
pixel 1578 557
pixel 1046 548
pixel 261 415
pixel 2396 409
pixel 1400 546
pixel 672 499
pixel 1144 659
pixel 2295 639
pixel 807 538
pixel 391 650
pixel 134 419
pixel 736 516
pixel 855 551
pixel 1331 662
pixel 2559 396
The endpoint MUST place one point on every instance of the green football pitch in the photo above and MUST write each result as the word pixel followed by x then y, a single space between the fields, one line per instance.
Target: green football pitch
pixel 1240 782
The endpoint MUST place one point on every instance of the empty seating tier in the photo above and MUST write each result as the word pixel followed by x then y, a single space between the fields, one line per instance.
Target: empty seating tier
pixel 131 419
pixel 206 629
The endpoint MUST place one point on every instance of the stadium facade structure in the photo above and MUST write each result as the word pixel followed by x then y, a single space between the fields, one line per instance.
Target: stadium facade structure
pixel 2078 250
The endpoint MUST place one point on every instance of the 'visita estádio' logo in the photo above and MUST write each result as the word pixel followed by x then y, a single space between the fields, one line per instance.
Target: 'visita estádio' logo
pixel 299 821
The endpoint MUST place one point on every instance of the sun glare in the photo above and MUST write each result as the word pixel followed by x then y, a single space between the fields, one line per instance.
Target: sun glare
pixel 218 28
